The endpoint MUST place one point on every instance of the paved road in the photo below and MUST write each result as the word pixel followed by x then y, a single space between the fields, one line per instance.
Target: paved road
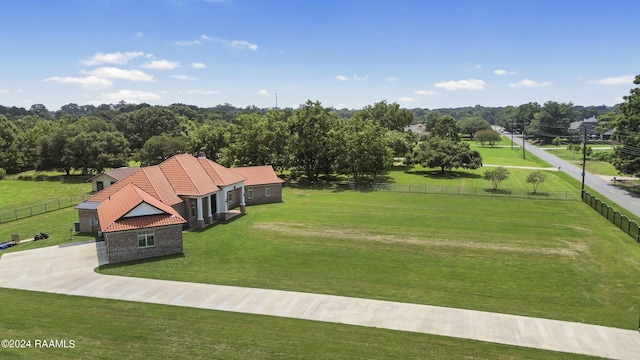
pixel 623 198
pixel 69 270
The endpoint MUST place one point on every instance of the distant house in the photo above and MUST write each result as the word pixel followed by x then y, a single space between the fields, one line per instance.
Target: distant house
pixel 416 128
pixel 107 178
pixel 157 202
pixel 579 126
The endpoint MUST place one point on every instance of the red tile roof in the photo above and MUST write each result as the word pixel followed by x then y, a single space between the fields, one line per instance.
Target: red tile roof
pixel 187 176
pixel 258 175
pixel 219 174
pixel 128 197
pixel 144 222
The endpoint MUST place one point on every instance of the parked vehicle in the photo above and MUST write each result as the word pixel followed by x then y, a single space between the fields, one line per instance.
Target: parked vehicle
pixel 40 236
pixel 7 244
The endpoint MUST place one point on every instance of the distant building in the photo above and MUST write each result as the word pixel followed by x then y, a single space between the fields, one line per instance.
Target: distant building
pixel 416 128
pixel 108 178
pixel 579 126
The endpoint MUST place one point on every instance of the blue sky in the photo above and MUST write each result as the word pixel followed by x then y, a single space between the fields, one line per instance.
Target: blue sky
pixel 349 53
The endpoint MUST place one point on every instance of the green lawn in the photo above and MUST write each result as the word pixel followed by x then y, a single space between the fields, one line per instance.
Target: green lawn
pixel 20 193
pixel 593 166
pixel 552 259
pixel 110 329
pixel 504 155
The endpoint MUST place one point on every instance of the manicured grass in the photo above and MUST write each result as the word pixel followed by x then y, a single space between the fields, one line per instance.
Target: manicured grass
pixel 56 223
pixel 504 155
pixel 551 259
pixel 109 329
pixel 593 166
pixel 474 179
pixel 20 193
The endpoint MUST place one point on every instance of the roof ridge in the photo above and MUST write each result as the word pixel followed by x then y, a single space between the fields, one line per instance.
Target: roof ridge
pixel 195 184
pixel 153 184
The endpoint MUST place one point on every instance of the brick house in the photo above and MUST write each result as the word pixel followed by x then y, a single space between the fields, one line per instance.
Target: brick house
pixel 197 192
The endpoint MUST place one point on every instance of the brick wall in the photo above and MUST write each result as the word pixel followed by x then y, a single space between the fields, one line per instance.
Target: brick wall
pixel 123 246
pixel 85 217
pixel 259 194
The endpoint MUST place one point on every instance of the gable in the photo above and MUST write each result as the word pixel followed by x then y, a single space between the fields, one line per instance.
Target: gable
pixel 142 210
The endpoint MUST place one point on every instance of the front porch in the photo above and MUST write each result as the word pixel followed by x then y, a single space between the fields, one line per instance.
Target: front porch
pixel 204 211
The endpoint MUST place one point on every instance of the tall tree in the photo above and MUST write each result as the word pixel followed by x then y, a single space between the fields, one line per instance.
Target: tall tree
pixel 389 116
pixel 553 120
pixel 161 147
pixel 626 158
pixel 446 128
pixel 360 147
pixel 140 125
pixel 472 124
pixel 309 141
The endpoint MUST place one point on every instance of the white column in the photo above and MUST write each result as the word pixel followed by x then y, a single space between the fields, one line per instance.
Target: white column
pixel 224 200
pixel 199 206
pixel 242 202
pixel 209 199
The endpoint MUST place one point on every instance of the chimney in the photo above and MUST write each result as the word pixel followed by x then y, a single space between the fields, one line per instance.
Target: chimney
pixel 202 155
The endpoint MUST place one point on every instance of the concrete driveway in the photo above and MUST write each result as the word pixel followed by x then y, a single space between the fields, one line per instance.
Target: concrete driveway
pixel 70 270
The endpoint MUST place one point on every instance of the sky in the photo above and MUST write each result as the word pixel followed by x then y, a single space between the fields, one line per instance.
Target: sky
pixel 344 53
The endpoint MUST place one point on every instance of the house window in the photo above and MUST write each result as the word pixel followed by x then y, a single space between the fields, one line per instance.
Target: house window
pixel 99 185
pixel 193 210
pixel 230 196
pixel 146 239
pixel 267 191
pixel 250 193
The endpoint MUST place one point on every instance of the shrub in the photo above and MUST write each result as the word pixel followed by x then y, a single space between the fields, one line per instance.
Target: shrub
pixel 3 173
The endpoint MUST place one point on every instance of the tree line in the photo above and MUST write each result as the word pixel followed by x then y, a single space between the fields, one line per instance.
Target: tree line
pixel 311 140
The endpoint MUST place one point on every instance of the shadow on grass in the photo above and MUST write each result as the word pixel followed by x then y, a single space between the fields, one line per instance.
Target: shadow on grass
pixel 141 261
pixel 434 174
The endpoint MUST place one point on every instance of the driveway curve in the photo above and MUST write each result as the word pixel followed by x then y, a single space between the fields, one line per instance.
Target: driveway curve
pixel 69 270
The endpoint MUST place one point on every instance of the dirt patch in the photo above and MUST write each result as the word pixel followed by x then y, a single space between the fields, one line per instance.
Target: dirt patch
pixel 306 230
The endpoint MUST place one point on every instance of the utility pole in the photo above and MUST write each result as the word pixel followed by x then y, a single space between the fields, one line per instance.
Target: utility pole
pixel 584 158
pixel 511 134
pixel 276 100
pixel 523 142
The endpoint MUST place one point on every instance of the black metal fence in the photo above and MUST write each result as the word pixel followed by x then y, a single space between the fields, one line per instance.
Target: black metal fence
pixel 27 211
pixel 614 216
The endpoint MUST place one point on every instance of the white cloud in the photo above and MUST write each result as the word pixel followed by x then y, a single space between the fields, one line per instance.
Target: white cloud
pixel 363 78
pixel 139 34
pixel 618 80
pixel 188 43
pixel 426 92
pixel 112 58
pixel 89 82
pixel 117 73
pixel 503 72
pixel 263 92
pixel 203 92
pixel 183 77
pixel 342 77
pixel 406 99
pixel 4 91
pixel 162 65
pixel 470 84
pixel 238 44
pixel 393 79
pixel 198 65
pixel 530 83
pixel 241 44
pixel 130 96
